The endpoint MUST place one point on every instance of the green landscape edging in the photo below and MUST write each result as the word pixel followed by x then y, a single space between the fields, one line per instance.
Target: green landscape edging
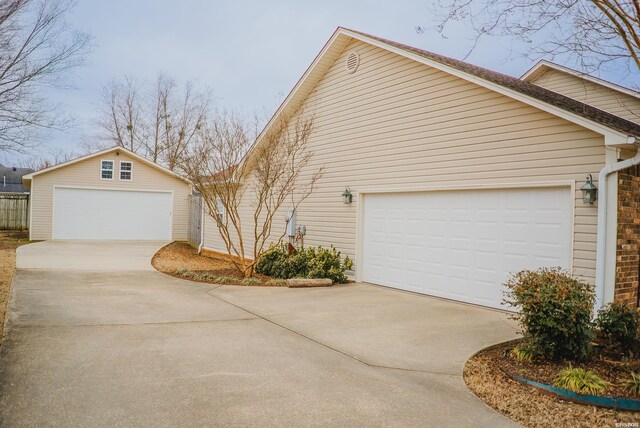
pixel 594 400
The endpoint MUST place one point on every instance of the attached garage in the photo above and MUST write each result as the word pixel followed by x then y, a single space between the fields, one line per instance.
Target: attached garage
pixel 111 214
pixel 463 244
pixel 399 132
pixel 114 194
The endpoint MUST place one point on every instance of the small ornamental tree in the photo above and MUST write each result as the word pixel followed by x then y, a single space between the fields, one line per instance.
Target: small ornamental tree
pixel 245 185
pixel 555 312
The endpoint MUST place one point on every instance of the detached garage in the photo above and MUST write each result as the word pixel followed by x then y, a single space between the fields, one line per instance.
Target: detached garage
pixel 111 195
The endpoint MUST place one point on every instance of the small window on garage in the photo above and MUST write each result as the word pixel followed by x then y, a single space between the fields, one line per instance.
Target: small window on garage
pixel 106 170
pixel 126 170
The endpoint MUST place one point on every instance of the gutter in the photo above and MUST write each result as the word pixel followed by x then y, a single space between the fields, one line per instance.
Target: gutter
pixel 601 254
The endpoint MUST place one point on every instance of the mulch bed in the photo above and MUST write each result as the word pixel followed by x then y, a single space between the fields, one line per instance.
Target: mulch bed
pixel 486 375
pixel 179 256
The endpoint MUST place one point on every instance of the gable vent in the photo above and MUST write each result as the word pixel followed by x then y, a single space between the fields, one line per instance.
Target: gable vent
pixel 352 62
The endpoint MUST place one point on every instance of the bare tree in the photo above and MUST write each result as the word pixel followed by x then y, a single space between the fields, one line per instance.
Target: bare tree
pixel 36 49
pixel 230 174
pixel 594 32
pixel 53 157
pixel 157 123
pixel 122 120
pixel 182 117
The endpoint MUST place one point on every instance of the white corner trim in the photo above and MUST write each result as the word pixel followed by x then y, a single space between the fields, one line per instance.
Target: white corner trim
pixel 31 211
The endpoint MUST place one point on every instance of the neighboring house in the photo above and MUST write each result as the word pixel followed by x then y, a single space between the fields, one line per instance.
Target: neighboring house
pixel 110 195
pixel 460 175
pixel 12 179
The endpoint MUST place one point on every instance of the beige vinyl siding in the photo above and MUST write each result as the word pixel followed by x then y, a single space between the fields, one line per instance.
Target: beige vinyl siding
pixel 86 174
pixel 396 124
pixel 599 96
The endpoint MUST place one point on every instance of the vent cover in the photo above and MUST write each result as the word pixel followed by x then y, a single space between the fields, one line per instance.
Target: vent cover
pixel 352 62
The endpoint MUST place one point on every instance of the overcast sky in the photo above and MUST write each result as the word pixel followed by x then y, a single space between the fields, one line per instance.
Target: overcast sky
pixel 250 53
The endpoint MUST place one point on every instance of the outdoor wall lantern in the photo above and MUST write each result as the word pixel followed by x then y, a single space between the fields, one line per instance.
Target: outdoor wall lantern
pixel 589 191
pixel 347 197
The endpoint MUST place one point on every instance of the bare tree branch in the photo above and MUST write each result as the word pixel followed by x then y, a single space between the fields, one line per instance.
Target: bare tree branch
pixel 596 33
pixel 36 48
pixel 159 123
pixel 266 178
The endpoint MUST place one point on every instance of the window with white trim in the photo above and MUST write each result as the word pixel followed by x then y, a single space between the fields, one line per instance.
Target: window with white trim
pixel 126 170
pixel 220 210
pixel 106 170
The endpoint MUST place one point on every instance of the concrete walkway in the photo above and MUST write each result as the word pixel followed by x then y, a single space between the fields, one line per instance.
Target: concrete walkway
pixel 139 348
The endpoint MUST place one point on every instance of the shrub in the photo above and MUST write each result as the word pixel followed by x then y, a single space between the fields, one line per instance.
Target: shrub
pixel 250 281
pixel 225 280
pixel 555 312
pixel 632 385
pixel 523 354
pixel 580 381
pixel 619 324
pixel 268 261
pixel 312 262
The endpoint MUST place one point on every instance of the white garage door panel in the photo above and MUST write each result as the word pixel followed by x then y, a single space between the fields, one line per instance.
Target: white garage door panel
pixel 463 244
pixel 111 215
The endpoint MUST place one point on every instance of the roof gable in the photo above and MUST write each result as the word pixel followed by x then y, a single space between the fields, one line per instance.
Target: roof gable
pixel 543 66
pixel 152 164
pixel 559 105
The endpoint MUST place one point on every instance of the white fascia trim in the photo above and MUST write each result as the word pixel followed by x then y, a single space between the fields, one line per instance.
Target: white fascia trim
pixel 300 82
pixel 556 111
pixel 543 65
pixel 104 152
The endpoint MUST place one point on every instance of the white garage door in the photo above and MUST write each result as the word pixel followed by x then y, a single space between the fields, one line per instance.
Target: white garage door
pixel 111 215
pixel 462 245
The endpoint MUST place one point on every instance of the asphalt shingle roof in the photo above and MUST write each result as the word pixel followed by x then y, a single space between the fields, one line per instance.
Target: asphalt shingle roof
pixel 11 179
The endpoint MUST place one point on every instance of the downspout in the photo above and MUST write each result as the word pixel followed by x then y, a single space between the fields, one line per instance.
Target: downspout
pixel 601 253
pixel 201 246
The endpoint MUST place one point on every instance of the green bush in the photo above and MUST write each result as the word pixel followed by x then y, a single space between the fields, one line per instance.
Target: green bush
pixel 580 381
pixel 632 385
pixel 523 354
pixel 554 313
pixel 312 262
pixel 619 324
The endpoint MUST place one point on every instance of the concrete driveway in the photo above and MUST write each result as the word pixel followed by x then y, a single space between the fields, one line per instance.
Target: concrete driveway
pixel 94 339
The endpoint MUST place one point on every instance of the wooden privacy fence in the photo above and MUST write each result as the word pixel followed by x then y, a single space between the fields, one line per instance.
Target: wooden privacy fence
pixel 14 211
pixel 195 220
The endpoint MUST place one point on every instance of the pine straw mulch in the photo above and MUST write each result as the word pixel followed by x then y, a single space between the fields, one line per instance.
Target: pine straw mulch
pixel 182 261
pixel 485 376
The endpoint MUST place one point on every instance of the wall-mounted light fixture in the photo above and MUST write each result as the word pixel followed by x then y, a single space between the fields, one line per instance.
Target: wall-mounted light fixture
pixel 589 191
pixel 347 197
